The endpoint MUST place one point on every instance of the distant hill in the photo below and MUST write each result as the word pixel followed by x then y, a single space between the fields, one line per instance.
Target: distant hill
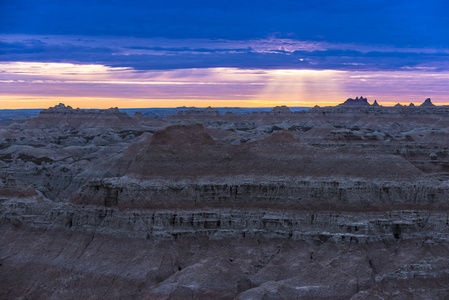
pixel 163 112
pixel 8 115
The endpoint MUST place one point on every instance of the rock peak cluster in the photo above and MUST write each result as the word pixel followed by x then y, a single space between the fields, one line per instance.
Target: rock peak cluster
pixel 427 103
pixel 356 102
pixel 363 102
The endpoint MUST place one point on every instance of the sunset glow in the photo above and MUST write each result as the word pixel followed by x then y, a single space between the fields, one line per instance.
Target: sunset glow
pixel 40 85
pixel 209 54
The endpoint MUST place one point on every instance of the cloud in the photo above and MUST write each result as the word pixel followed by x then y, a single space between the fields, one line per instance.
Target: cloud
pixel 272 53
pixel 396 23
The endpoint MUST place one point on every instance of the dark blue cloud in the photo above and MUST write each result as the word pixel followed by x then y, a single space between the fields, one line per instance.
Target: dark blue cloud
pixel 163 57
pixel 189 49
pixel 40 51
pixel 400 23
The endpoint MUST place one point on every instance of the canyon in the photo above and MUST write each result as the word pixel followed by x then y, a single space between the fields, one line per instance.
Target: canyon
pixel 344 202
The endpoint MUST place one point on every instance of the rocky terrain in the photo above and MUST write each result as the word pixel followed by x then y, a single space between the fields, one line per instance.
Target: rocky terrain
pixel 345 202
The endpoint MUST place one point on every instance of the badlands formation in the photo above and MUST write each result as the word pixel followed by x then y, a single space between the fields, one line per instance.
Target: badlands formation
pixel 345 202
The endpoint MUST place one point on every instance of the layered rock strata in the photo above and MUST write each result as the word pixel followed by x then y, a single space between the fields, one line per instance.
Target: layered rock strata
pixel 307 194
pixel 297 224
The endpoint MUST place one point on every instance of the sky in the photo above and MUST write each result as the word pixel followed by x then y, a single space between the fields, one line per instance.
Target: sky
pixel 129 54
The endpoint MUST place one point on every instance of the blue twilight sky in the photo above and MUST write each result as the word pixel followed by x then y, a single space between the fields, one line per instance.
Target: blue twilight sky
pixel 140 50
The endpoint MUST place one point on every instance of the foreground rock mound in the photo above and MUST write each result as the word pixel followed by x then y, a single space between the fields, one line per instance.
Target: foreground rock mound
pixel 183 136
pixel 283 136
pixel 189 153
